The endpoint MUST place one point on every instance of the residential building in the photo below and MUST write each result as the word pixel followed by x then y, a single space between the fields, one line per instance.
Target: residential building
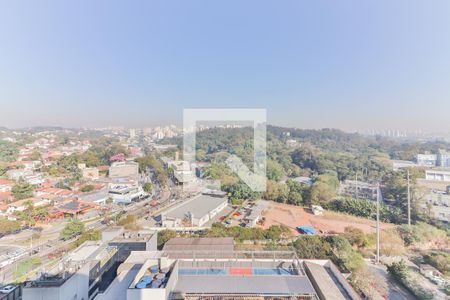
pixel 74 207
pixel 182 172
pixel 303 180
pixel 89 270
pixel 18 174
pixel 437 175
pixel 76 277
pixel 437 205
pixel 426 160
pixel 6 185
pixel 195 212
pixel 358 190
pixel 443 159
pixel 256 212
pixel 402 164
pixel 125 194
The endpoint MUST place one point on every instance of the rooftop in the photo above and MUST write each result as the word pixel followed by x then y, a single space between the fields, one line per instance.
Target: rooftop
pixel 199 206
pixel 268 285
pixel 192 244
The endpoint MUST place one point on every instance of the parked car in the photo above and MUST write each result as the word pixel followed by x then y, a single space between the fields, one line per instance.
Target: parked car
pixel 7 289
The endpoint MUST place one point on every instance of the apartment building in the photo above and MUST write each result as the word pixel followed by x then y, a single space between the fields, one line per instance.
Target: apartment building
pixel 88 270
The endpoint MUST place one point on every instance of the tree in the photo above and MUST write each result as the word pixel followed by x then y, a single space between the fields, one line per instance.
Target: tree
pixel 164 236
pixel 72 229
pixel 22 190
pixel 148 187
pixel 88 188
pixel 312 246
pixel 345 255
pixel 8 151
pixel 398 270
pixel 298 192
pixel 324 189
pixel 7 226
pixel 41 213
pixel 35 155
pixel 90 235
pixel 274 170
pixel 276 191
pixel 355 236
pixel 3 169
pixel 129 222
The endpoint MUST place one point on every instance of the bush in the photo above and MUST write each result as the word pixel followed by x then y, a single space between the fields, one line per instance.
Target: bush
pixel 439 260
pixel 366 209
pixel 398 270
pixel 87 188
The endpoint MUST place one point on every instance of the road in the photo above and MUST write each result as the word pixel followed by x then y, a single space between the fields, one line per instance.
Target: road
pixel 395 290
pixel 45 248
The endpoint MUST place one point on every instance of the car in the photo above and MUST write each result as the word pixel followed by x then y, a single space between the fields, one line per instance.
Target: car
pixel 7 289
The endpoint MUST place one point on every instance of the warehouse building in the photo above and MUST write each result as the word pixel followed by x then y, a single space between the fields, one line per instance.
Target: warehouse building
pixel 195 212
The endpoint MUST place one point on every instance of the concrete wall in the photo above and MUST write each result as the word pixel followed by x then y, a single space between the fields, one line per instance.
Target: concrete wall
pixel 74 288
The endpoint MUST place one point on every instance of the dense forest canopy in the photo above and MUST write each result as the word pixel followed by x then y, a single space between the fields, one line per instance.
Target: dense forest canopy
pixel 327 156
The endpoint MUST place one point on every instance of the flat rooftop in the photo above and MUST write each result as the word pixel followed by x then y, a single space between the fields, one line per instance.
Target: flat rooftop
pixel 198 206
pixel 267 285
pixel 193 244
pixel 84 252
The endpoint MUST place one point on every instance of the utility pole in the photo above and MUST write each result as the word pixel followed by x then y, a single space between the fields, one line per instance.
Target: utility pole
pixel 378 223
pixel 409 198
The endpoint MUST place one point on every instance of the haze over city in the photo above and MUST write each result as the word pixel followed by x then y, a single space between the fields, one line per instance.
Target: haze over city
pixel 347 64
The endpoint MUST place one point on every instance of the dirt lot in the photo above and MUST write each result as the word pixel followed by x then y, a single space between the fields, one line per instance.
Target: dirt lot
pixel 330 222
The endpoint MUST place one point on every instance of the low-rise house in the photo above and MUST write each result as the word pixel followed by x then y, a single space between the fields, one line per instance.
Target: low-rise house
pixel 6 197
pixel 17 174
pixel 21 205
pixel 303 179
pixel 6 185
pixel 438 175
pixel 43 192
pixel 98 197
pixel 34 179
pixel 74 207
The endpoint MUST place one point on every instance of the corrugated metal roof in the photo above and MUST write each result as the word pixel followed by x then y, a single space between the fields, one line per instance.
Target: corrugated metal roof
pixel 199 206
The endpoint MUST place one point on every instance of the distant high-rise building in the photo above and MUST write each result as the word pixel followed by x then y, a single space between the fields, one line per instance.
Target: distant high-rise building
pixel 443 159
pixel 132 133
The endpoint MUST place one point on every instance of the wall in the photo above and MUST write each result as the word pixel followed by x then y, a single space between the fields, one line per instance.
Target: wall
pixel 74 288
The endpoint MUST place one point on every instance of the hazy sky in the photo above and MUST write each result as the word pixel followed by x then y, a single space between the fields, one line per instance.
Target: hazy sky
pixel 345 64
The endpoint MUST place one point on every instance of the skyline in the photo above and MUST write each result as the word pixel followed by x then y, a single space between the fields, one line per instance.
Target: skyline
pixel 352 65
